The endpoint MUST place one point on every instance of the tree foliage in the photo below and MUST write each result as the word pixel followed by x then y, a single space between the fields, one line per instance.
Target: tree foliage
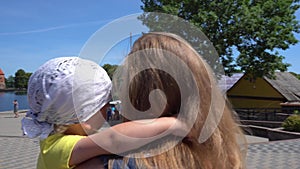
pixel 21 79
pixel 256 29
pixel 292 123
pixel 296 75
pixel 10 82
pixel 110 69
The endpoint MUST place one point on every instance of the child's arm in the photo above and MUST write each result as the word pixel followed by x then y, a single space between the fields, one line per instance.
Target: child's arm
pixel 93 163
pixel 123 137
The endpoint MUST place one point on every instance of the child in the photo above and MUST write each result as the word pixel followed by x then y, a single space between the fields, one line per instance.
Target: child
pixel 68 98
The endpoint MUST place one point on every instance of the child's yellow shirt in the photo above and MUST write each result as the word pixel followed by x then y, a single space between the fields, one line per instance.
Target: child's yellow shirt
pixel 55 151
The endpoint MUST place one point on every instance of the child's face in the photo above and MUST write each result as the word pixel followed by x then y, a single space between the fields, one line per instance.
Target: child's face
pixel 97 120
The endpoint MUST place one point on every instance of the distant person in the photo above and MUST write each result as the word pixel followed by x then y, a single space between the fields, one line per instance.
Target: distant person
pixel 113 112
pixel 108 116
pixel 67 103
pixel 16 108
pixel 117 114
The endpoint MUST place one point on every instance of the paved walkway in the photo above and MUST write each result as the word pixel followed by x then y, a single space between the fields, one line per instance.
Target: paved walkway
pixel 17 152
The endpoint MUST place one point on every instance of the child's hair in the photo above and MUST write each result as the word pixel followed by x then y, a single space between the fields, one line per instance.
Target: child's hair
pixel 221 149
pixel 64 91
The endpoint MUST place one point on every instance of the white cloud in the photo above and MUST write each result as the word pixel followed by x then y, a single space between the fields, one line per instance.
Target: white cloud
pixel 53 28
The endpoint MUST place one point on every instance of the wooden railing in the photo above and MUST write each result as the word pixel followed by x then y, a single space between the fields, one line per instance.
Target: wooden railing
pixel 263 114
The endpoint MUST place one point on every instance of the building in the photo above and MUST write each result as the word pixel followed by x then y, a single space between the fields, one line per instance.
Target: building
pixel 2 80
pixel 226 82
pixel 281 92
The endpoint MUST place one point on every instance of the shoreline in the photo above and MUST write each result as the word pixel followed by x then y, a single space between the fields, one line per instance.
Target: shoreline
pixel 13 90
pixel 11 112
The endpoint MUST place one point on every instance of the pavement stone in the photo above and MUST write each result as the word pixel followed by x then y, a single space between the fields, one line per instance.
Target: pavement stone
pixel 18 152
pixel 277 154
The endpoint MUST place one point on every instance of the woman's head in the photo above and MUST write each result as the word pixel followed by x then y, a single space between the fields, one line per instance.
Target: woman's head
pixel 200 104
pixel 65 91
pixel 174 67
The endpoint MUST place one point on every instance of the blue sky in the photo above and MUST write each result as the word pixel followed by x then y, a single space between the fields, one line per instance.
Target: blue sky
pixel 32 32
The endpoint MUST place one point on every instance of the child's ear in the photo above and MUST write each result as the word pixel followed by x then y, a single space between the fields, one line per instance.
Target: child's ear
pixel 86 126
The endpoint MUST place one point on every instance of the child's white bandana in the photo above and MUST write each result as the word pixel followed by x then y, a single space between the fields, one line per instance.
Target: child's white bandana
pixel 66 90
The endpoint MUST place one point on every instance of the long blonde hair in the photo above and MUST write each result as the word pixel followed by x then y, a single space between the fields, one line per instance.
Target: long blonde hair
pixel 221 149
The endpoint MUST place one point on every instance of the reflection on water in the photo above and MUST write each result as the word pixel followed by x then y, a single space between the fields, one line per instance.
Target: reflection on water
pixel 20 93
pixel 7 98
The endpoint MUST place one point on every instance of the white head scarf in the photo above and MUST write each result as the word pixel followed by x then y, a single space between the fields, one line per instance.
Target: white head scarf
pixel 66 90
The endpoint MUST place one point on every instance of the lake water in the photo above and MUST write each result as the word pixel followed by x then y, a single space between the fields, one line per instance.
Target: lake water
pixel 7 98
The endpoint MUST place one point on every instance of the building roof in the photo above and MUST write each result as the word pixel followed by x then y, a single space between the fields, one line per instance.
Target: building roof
pixel 286 84
pixel 291 104
pixel 1 72
pixel 226 82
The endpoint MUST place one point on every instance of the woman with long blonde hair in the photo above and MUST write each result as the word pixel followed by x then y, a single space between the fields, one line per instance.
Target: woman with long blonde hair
pixel 164 76
pixel 221 148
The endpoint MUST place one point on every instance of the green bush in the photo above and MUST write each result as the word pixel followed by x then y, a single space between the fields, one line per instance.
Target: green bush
pixel 292 123
pixel 296 112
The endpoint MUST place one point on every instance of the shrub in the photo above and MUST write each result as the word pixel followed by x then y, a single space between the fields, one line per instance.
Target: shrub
pixel 292 123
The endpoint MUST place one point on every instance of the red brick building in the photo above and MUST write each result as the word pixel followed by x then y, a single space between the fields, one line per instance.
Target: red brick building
pixel 2 80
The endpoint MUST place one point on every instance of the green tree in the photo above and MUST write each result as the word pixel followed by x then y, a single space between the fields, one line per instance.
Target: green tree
pixel 256 29
pixel 110 69
pixel 27 75
pixel 21 79
pixel 10 82
pixel 296 75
